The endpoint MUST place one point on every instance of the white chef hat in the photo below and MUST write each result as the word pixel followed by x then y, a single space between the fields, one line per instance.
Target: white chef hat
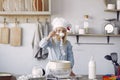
pixel 61 22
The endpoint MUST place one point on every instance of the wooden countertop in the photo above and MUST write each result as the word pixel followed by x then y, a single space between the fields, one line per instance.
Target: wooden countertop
pixel 83 77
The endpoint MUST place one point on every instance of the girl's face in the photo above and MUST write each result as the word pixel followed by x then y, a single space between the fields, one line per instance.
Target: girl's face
pixel 61 30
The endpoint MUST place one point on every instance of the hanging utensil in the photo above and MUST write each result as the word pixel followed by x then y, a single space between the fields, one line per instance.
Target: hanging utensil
pixel 4 34
pixel 114 58
pixel 16 35
pixel 108 57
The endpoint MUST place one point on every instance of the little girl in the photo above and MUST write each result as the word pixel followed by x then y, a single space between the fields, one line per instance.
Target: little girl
pixel 58 47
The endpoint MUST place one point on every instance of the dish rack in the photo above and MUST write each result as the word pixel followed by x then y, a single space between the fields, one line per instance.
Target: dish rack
pixel 25 7
pixel 25 10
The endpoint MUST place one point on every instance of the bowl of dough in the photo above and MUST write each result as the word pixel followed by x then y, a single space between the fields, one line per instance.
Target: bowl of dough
pixel 59 68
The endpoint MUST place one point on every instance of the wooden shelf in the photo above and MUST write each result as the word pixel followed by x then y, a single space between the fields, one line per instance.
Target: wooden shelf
pixel 24 13
pixel 94 35
pixel 114 10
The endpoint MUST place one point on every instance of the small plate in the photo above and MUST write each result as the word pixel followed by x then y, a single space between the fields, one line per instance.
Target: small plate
pixel 109 28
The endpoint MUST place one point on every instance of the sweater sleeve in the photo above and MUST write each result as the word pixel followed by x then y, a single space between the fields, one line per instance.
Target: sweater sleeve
pixel 70 56
pixel 44 43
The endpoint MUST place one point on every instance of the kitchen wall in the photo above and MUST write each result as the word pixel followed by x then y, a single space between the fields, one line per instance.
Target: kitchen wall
pixel 19 60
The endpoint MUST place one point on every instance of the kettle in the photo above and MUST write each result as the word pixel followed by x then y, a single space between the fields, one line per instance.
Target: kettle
pixel 38 72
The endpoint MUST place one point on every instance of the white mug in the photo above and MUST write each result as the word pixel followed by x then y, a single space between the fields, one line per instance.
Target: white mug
pixel 81 31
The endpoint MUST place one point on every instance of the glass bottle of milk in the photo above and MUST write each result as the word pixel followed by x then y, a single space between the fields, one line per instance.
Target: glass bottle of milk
pixel 92 68
pixel 86 24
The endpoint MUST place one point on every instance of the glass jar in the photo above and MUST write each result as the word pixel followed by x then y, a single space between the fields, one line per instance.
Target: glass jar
pixel 118 4
pixel 37 71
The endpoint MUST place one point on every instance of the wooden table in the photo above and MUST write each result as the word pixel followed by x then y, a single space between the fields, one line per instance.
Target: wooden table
pixel 84 77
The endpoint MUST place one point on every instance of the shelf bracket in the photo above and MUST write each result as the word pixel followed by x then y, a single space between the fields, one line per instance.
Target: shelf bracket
pixel 77 38
pixel 108 39
pixel 118 15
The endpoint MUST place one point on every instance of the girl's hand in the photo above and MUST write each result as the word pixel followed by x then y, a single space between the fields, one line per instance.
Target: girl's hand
pixel 51 34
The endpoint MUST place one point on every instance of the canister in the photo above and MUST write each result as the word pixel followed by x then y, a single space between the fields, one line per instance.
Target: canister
pixel 116 31
pixel 118 4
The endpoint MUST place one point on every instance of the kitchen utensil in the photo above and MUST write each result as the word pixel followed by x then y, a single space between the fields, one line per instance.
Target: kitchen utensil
pixel 118 70
pixel 115 69
pixel 114 58
pixel 15 35
pixel 4 34
pixel 108 57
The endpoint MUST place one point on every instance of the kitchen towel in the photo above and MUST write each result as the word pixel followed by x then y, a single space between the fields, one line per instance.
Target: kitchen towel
pixel 39 52
pixel 46 29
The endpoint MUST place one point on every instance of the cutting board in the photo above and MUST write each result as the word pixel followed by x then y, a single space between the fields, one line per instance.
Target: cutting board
pixel 4 35
pixel 15 36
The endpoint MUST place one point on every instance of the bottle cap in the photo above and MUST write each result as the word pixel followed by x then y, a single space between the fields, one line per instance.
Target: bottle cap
pixel 92 58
